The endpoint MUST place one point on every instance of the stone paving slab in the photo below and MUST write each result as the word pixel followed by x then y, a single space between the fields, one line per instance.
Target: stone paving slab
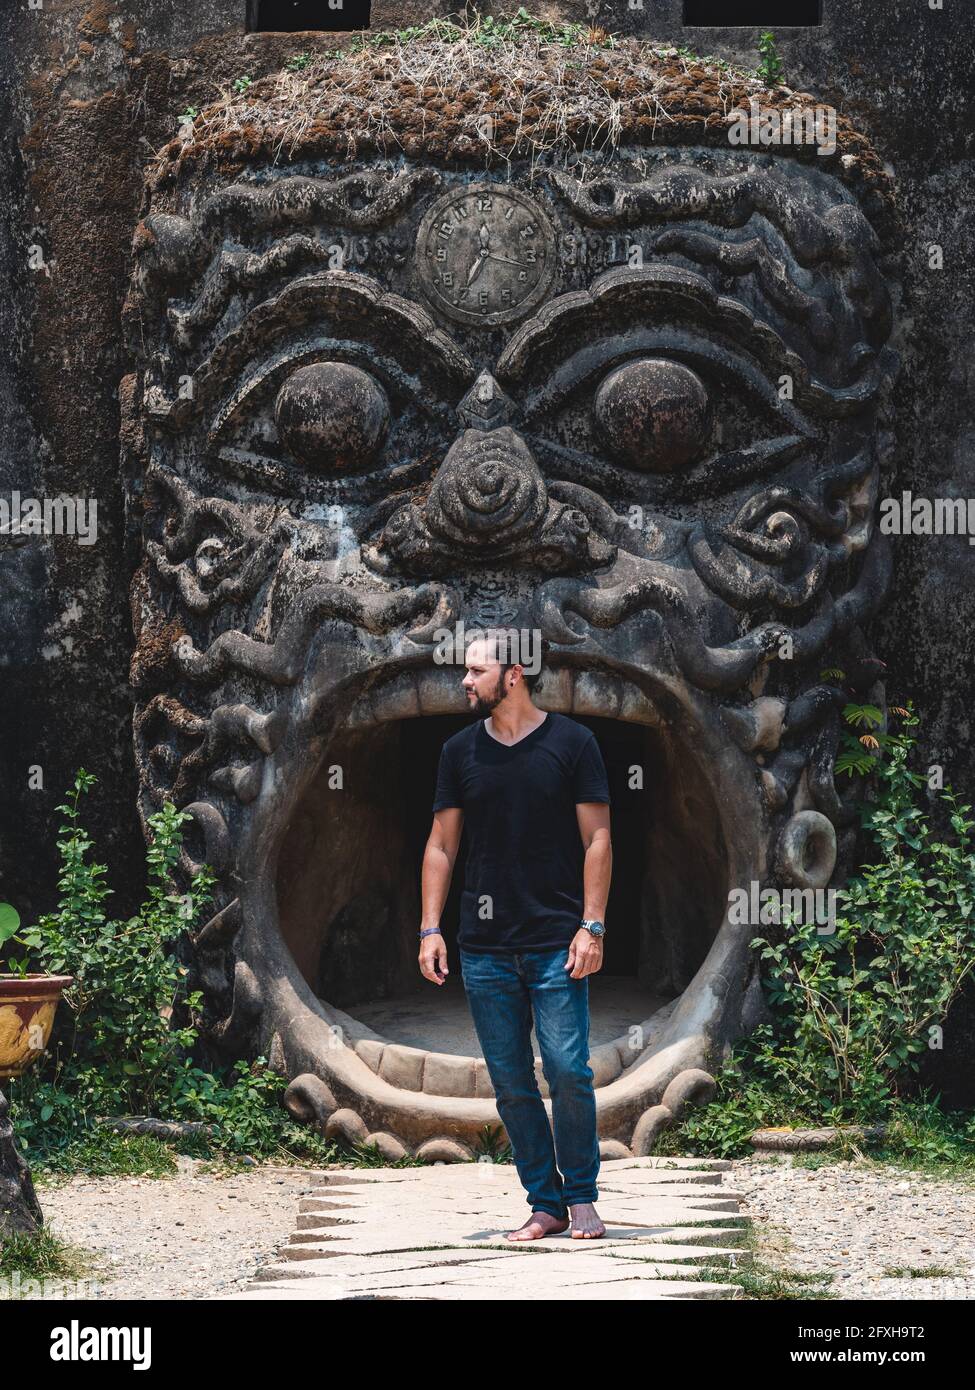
pixel 669 1248
pixel 465 1211
pixel 636 1290
pixel 438 1232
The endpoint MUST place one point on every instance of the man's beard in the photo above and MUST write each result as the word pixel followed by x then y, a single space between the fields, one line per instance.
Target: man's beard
pixel 484 705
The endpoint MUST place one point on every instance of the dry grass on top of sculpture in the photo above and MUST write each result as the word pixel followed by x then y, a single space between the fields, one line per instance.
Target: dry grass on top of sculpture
pixel 441 92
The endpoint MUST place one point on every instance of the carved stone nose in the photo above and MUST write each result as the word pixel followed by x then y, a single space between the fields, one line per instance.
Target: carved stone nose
pixel 488 477
pixel 486 407
pixel 487 488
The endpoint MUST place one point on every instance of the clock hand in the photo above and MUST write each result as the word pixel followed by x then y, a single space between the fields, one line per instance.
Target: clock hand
pixel 475 268
pixel 484 239
pixel 507 259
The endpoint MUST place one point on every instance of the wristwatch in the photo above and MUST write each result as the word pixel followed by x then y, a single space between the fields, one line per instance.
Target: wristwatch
pixel 590 925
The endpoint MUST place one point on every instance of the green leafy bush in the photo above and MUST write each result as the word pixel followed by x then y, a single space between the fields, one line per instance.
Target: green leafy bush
pixel 126 982
pixel 851 1010
pixel 854 1009
pixel 120 1053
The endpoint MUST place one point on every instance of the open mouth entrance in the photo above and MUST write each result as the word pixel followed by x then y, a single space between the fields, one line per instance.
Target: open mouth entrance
pixel 348 888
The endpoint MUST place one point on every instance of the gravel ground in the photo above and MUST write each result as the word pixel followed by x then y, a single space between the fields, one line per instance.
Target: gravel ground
pixel 188 1236
pixel 194 1235
pixel 856 1220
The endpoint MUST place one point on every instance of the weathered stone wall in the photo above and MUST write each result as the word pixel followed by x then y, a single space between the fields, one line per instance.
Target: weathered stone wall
pixel 91 90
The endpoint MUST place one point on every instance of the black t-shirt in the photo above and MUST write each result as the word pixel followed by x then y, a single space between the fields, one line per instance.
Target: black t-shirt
pixel 523 889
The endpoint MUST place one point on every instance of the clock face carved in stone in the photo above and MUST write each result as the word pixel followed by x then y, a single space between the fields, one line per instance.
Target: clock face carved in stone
pixel 486 254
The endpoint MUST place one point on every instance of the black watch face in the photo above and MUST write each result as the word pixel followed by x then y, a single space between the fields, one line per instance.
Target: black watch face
pixel 486 254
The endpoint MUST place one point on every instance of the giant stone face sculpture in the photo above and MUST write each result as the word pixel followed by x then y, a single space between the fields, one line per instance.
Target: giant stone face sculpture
pixel 634 404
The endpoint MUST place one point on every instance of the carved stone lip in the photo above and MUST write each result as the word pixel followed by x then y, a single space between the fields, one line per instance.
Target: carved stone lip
pixel 413 1096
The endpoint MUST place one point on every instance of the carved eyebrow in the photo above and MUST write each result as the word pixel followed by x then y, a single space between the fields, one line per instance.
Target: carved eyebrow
pixel 332 306
pixel 173 251
pixel 298 198
pixel 838 239
pixel 687 298
pixel 740 258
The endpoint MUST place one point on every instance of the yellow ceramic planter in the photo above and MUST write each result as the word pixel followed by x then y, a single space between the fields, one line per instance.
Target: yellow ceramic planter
pixel 27 1007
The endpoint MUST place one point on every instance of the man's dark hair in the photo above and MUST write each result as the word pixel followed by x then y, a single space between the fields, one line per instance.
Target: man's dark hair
pixel 530 678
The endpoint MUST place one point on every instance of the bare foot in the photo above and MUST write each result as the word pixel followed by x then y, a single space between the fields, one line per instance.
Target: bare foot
pixel 586 1225
pixel 540 1223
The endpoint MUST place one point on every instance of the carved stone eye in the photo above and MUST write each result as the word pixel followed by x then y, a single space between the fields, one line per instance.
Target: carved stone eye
pixel 332 416
pixel 653 414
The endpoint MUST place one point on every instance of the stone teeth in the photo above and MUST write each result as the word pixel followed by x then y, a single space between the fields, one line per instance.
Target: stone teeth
pixel 371 1052
pixel 397 700
pixel 361 714
pixel 402 1066
pixel 242 782
pixel 635 708
pixel 558 690
pixel 451 1074
pixel 266 730
pixel 483 1086
pixel 565 691
pixel 605 1063
pixel 446 1074
pixel 441 692
pixel 596 693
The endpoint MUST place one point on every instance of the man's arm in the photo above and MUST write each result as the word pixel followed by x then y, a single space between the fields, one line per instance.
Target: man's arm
pixel 438 866
pixel 586 950
pixel 593 819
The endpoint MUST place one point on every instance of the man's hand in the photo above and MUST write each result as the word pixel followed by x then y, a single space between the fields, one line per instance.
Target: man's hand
pixel 438 865
pixel 433 958
pixel 585 954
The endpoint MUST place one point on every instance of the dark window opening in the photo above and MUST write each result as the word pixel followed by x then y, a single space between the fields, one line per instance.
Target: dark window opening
pixel 730 14
pixel 296 16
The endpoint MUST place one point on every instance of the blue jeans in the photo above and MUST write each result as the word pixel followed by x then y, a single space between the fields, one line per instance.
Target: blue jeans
pixel 503 991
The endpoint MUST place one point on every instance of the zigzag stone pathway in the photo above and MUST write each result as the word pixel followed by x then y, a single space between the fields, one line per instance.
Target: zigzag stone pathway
pixel 438 1232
